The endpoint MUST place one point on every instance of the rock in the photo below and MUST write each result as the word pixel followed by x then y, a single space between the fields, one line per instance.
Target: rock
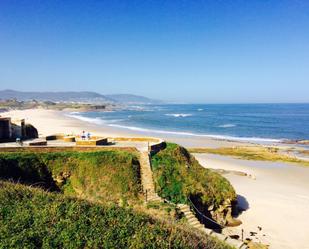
pixel 240 173
pixel 211 207
pixel 66 175
pixel 232 222
pixel 59 179
pixel 62 177
pixel 234 236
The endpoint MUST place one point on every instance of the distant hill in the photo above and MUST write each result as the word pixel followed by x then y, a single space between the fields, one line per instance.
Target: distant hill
pixel 86 97
pixel 132 99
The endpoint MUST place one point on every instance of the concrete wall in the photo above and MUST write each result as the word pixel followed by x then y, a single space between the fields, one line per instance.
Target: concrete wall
pixel 156 147
pixel 12 129
pixel 5 128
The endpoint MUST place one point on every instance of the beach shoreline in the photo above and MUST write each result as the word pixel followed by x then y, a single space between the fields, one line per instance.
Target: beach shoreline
pixel 54 121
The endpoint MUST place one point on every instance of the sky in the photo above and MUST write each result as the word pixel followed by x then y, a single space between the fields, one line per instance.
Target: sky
pixel 186 51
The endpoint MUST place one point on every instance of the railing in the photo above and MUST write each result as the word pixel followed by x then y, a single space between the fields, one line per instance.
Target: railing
pixel 204 217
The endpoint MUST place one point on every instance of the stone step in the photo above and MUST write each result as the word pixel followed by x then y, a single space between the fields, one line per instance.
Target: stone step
pixel 199 226
pixel 188 212
pixel 147 179
pixel 189 216
pixel 185 209
pixel 195 222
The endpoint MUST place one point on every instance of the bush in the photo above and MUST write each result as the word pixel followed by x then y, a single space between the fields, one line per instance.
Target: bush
pixel 178 176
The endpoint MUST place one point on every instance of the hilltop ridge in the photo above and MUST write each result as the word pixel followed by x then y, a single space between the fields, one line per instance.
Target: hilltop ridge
pixel 73 96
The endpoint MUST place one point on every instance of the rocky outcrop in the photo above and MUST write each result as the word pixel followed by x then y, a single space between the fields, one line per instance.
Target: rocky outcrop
pixel 61 178
pixel 223 214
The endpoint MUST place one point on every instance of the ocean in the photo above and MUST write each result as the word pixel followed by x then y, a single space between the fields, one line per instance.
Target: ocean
pixel 247 122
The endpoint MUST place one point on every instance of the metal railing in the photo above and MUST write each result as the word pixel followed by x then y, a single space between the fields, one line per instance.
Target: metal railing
pixel 204 217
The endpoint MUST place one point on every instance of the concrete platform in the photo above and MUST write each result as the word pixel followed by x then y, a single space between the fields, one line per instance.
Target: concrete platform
pixel 92 142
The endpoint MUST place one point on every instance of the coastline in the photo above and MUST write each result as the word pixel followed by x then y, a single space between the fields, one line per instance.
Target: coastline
pixel 273 185
pixel 51 121
pixel 54 121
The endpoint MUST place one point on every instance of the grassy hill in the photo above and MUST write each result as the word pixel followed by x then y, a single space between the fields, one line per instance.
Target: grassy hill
pixel 33 218
pixel 85 199
pixel 101 176
pixel 178 177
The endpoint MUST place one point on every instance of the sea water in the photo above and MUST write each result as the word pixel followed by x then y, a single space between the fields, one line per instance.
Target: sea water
pixel 251 122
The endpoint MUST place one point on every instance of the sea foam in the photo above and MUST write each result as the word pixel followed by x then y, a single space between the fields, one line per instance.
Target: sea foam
pixel 178 115
pixel 227 126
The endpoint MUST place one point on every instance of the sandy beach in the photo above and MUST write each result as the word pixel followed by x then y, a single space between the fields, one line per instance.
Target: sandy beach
pixel 50 122
pixel 276 195
pixel 276 198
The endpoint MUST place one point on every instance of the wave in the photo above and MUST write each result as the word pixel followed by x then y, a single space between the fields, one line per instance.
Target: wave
pixel 178 115
pixel 200 109
pixel 221 137
pixel 97 121
pixel 227 126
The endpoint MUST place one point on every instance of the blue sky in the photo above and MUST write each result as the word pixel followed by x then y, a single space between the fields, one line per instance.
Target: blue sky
pixel 185 51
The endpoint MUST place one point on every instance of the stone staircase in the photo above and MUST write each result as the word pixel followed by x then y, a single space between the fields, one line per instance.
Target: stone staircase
pixel 195 223
pixel 151 195
pixel 146 178
pixel 190 216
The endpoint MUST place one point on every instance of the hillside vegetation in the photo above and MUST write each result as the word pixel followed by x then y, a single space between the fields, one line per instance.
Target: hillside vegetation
pixel 92 199
pixel 33 218
pixel 178 176
pixel 101 176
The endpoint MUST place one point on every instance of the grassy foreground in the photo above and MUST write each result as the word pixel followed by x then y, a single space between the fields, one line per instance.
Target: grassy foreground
pixel 258 153
pixel 83 200
pixel 33 218
pixel 178 175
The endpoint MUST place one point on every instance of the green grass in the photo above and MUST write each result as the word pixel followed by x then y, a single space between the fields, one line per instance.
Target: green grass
pixel 103 176
pixel 252 153
pixel 86 199
pixel 33 218
pixel 178 176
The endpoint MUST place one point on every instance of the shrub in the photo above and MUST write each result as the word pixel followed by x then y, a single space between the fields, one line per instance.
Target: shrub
pixel 178 176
